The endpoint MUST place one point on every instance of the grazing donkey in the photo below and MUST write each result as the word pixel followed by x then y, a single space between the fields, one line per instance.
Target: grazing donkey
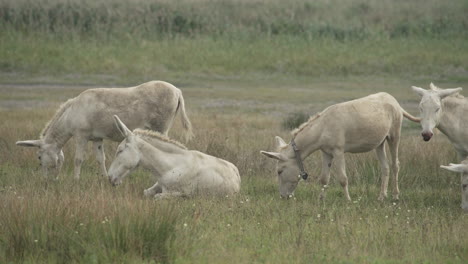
pixel 180 172
pixel 356 126
pixel 447 110
pixel 463 169
pixel 88 117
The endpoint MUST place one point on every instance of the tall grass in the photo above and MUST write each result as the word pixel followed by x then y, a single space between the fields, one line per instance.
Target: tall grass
pixel 339 19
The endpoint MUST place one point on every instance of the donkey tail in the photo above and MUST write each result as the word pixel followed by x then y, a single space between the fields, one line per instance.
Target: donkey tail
pixel 409 116
pixel 184 118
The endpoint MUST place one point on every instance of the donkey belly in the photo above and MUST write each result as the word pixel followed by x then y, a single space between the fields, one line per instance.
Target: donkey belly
pixel 368 135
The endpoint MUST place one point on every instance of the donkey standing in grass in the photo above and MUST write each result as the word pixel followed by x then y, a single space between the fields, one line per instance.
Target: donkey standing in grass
pixel 180 172
pixel 88 117
pixel 356 126
pixel 448 111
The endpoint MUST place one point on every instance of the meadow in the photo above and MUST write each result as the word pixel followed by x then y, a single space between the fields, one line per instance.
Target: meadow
pixel 249 70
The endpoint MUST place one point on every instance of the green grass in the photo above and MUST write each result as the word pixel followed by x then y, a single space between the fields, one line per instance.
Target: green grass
pixel 184 58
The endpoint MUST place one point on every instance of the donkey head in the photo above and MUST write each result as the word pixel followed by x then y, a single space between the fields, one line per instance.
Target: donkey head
pixel 127 156
pixel 430 107
pixel 49 155
pixel 286 167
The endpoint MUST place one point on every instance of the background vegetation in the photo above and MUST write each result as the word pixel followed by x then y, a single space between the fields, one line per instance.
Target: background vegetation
pixel 249 70
pixel 126 41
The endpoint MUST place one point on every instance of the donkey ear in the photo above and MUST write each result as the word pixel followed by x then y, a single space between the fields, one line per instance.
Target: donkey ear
pixel 280 142
pixel 420 91
pixel 30 143
pixel 446 92
pixel 123 129
pixel 456 167
pixel 274 155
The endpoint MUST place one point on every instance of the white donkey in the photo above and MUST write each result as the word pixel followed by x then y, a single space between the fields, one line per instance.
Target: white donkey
pixel 356 126
pixel 88 117
pixel 447 110
pixel 180 172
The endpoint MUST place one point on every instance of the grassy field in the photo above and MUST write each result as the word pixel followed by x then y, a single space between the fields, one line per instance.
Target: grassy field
pixel 247 70
pixel 90 221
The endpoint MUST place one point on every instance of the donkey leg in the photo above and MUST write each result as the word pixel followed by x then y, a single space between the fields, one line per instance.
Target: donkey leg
pixel 385 169
pixel 393 147
pixel 80 154
pixel 325 174
pixel 100 156
pixel 153 190
pixel 341 166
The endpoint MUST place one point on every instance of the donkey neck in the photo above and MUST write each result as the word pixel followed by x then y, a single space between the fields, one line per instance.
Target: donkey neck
pixel 160 157
pixel 58 133
pixel 308 139
pixel 452 121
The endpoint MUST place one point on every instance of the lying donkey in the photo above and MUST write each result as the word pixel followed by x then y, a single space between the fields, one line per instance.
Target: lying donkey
pixel 356 126
pixel 180 172
pixel 88 117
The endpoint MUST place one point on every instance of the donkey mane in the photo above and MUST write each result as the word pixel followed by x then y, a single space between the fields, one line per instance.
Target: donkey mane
pixel 151 135
pixel 56 116
pixel 304 125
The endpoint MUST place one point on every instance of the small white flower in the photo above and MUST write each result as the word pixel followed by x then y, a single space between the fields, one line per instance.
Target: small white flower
pixel 35 240
pixel 318 216
pixel 185 224
pixel 386 216
pixel 331 220
pixel 81 224
pixel 394 204
pixel 241 202
pixel 409 211
pixel 228 225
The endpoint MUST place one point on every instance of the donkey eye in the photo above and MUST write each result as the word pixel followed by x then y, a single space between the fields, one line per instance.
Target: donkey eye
pixel 280 171
pixel 39 158
pixel 437 110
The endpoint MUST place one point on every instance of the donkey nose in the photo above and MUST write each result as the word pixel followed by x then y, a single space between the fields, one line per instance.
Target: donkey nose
pixel 427 135
pixel 113 180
